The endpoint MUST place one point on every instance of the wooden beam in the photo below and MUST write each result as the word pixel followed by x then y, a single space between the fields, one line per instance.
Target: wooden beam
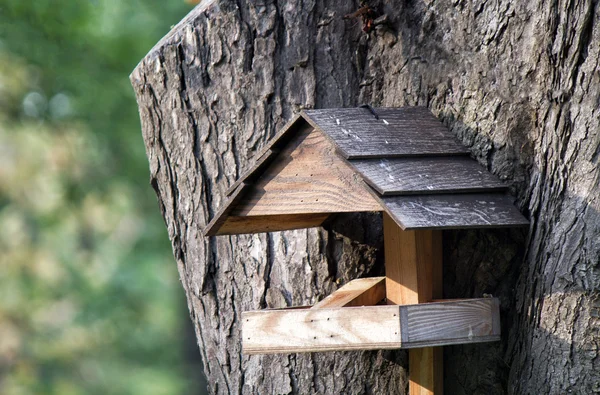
pixel 334 329
pixel 413 268
pixel 269 223
pixel 371 328
pixel 360 292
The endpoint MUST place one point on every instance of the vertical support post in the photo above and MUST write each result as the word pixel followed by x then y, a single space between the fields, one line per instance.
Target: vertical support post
pixel 413 270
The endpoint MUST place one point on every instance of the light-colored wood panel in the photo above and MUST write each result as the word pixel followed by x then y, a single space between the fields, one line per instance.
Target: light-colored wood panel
pixel 307 176
pixel 428 361
pixel 360 292
pixel 375 327
pixel 270 223
pixel 413 264
pixel 335 329
pixel 413 269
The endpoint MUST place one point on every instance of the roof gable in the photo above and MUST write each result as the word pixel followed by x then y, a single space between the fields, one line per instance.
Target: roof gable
pixel 322 161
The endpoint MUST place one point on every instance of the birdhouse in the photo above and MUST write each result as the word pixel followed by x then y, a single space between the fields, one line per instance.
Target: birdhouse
pixel 406 164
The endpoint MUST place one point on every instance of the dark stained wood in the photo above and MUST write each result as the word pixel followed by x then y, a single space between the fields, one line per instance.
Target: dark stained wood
pixel 473 318
pixel 249 176
pixel 406 176
pixel 308 176
pixel 269 151
pixel 474 210
pixel 234 225
pixel 220 217
pixel 399 132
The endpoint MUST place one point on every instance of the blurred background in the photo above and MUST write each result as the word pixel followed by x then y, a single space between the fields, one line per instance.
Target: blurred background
pixel 90 301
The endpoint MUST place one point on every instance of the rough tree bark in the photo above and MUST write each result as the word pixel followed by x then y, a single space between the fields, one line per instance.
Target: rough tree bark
pixel 517 81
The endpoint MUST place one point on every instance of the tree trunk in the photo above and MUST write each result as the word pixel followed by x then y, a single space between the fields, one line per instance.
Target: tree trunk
pixel 517 81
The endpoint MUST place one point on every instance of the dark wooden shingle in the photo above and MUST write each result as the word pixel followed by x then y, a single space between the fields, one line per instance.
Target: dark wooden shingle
pixel 399 132
pixel 471 210
pixel 429 175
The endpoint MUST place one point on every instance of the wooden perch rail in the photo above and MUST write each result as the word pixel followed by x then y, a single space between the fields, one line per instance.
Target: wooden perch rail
pixel 370 327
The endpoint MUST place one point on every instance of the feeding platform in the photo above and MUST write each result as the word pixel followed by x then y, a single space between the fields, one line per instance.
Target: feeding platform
pixel 406 164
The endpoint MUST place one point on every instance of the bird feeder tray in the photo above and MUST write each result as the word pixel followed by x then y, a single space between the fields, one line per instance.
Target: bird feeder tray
pixel 404 163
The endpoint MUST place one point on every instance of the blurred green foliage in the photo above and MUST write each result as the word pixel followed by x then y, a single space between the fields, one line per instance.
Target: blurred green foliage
pixel 90 301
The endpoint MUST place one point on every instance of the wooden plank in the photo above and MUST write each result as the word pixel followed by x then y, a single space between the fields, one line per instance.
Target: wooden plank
pixel 237 189
pixel 268 152
pixel 360 292
pixel 335 329
pixel 413 269
pixel 428 175
pixel 372 328
pixel 428 361
pixel 233 225
pixel 428 324
pixel 399 132
pixel 412 264
pixel 220 217
pixel 476 210
pixel 307 177
pixel 248 177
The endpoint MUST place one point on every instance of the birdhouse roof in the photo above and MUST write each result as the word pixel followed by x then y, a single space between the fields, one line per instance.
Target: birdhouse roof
pixel 400 160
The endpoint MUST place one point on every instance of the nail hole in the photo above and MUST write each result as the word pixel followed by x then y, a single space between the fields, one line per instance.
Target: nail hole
pixel 314 337
pixel 316 200
pixel 312 320
pixel 330 335
pixel 327 319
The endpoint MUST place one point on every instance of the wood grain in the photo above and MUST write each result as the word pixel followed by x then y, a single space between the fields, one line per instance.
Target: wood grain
pixel 472 320
pixel 370 328
pixel 307 177
pixel 233 225
pixel 413 269
pixel 428 175
pixel 345 328
pixel 213 227
pixel 360 292
pixel 407 131
pixel 477 210
pixel 270 150
pixel 413 263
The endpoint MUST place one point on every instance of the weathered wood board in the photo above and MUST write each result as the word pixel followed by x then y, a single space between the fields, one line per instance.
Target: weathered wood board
pixel 234 225
pixel 269 151
pixel 360 292
pixel 429 175
pixel 222 215
pixel 476 210
pixel 426 324
pixel 307 177
pixel 408 131
pixel 370 327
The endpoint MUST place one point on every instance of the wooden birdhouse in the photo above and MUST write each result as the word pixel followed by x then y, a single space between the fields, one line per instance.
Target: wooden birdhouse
pixel 406 164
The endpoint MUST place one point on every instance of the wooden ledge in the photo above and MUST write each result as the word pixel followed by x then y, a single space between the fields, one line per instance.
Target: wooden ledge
pixel 371 327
